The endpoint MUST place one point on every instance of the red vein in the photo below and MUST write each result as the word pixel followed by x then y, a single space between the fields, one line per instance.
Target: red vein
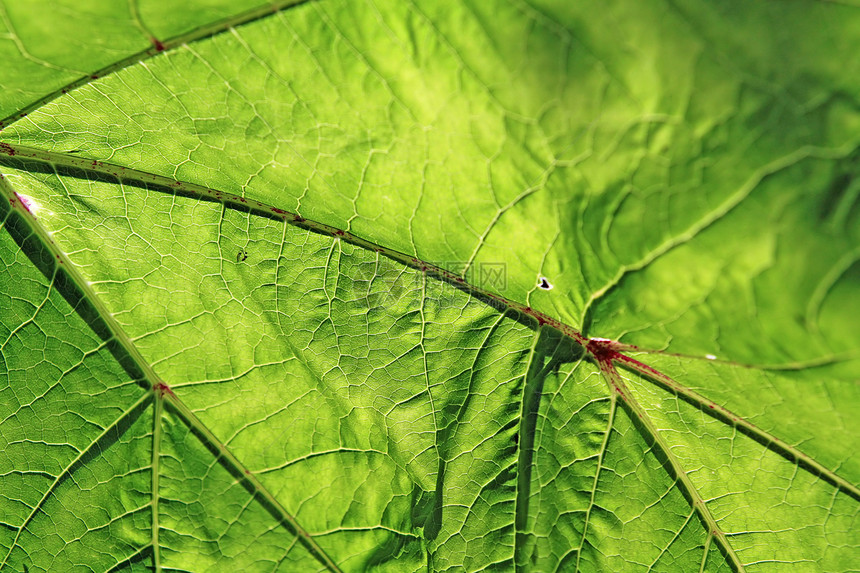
pixel 200 191
pixel 605 363
pixel 604 351
pixel 156 385
pixel 597 347
pixel 736 420
pixel 786 366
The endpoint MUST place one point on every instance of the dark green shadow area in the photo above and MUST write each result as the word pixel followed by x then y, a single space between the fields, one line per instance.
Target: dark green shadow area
pixel 552 351
pixel 144 558
pixel 40 255
pixel 62 288
pixel 42 258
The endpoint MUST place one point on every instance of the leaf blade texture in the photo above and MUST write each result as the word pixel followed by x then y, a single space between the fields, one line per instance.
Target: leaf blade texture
pixel 383 286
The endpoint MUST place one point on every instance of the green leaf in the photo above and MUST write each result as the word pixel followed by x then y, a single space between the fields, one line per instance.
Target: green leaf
pixel 387 286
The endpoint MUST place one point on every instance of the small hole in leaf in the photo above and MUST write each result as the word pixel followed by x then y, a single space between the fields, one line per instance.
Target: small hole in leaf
pixel 544 284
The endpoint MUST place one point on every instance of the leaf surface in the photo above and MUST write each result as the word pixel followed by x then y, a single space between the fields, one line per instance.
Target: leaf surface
pixel 310 286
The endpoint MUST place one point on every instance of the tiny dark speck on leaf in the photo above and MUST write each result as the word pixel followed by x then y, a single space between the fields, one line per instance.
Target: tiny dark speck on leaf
pixel 242 255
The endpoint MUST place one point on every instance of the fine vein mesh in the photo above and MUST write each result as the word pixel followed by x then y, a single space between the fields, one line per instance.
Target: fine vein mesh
pixel 681 187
